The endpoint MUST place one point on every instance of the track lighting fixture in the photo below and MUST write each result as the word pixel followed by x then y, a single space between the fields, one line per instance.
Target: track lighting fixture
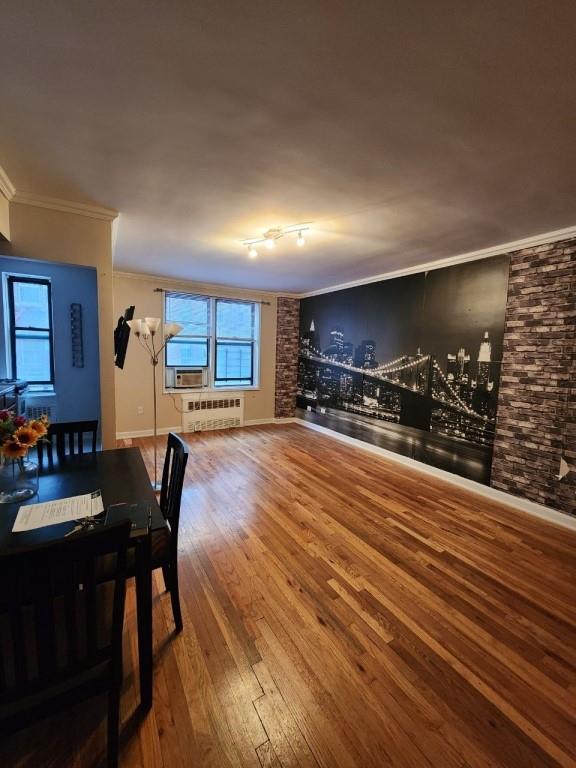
pixel 270 237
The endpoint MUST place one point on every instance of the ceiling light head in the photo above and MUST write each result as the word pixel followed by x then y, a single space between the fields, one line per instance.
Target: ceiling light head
pixel 271 236
pixel 275 233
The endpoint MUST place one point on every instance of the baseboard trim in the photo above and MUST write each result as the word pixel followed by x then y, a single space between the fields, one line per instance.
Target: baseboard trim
pixel 256 422
pixel 147 432
pixel 522 505
pixel 178 428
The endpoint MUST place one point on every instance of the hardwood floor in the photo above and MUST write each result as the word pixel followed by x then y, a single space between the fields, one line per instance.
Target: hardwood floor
pixel 343 611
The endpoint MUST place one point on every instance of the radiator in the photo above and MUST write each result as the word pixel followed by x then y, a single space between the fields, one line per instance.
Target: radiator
pixel 36 408
pixel 203 411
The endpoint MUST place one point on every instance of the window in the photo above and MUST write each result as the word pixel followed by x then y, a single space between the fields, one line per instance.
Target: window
pixel 30 321
pixel 191 348
pixel 235 340
pixel 218 334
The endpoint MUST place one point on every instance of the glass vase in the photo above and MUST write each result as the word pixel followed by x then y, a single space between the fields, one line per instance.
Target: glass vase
pixel 18 480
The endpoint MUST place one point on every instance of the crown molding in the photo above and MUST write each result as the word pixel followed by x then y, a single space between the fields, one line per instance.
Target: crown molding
pixel 198 285
pixel 13 195
pixel 6 187
pixel 484 253
pixel 64 206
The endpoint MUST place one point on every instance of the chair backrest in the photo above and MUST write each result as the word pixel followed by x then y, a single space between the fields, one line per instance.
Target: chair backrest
pixel 68 437
pixel 173 480
pixel 57 622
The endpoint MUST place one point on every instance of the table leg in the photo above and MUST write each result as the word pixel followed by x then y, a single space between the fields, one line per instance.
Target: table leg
pixel 144 609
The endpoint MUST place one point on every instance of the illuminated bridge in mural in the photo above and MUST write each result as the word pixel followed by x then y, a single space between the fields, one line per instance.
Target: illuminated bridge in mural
pixel 417 384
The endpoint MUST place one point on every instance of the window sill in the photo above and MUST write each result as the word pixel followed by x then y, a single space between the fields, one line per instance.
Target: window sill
pixel 208 390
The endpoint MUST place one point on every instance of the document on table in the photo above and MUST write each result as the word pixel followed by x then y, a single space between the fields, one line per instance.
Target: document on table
pixel 31 516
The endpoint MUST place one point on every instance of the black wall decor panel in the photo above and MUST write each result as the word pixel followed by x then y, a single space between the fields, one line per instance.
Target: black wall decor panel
pixel 76 335
pixel 411 364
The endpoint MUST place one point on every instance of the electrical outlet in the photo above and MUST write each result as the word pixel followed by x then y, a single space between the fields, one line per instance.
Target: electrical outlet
pixel 140 410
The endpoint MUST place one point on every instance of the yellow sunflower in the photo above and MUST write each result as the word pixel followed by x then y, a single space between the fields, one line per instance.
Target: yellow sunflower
pixel 13 450
pixel 39 427
pixel 26 436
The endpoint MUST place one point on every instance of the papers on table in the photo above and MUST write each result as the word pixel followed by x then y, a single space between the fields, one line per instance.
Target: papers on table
pixel 31 516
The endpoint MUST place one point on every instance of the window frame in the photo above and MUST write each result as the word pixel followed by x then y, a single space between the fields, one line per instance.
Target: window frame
pixel 193 337
pixel 213 382
pixel 244 341
pixel 13 328
pixel 238 343
pixel 204 341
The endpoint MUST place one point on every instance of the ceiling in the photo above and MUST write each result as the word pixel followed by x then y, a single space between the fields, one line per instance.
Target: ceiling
pixel 406 131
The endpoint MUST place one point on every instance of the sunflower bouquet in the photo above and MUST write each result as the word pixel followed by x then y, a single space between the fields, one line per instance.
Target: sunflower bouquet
pixel 18 434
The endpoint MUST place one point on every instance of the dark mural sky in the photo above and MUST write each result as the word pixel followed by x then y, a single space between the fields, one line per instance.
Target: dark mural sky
pixel 438 311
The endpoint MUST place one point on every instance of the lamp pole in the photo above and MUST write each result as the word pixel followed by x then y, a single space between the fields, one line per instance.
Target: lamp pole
pixel 146 331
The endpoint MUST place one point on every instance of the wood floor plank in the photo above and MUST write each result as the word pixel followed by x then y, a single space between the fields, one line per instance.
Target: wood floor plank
pixel 287 739
pixel 267 756
pixel 342 611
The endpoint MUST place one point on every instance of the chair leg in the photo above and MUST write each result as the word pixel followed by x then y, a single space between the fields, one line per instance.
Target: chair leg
pixel 113 727
pixel 175 595
pixel 166 575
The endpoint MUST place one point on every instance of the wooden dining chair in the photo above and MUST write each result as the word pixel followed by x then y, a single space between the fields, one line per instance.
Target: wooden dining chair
pixel 60 630
pixel 164 540
pixel 166 556
pixel 68 437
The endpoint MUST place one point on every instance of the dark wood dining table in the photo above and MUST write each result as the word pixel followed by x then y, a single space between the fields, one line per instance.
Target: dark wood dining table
pixel 121 476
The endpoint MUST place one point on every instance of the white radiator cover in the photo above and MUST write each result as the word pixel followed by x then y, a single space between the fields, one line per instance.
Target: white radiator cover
pixel 202 411
pixel 38 406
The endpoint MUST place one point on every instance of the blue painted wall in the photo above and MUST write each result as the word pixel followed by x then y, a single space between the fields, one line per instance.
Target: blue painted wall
pixel 77 390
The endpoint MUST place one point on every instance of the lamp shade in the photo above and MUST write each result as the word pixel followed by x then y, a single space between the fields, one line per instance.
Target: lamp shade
pixel 135 325
pixel 172 329
pixel 144 330
pixel 153 323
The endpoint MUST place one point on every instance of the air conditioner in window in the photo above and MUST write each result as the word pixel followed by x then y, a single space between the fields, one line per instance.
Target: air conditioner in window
pixel 189 378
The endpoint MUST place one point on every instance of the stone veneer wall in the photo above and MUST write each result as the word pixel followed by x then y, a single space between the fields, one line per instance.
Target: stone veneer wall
pixel 288 326
pixel 536 409
pixel 567 488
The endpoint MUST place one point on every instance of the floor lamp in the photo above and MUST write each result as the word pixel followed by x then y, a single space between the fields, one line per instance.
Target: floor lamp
pixel 146 331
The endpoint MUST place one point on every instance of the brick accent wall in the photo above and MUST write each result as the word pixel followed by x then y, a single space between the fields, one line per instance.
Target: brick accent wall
pixel 567 488
pixel 287 332
pixel 536 409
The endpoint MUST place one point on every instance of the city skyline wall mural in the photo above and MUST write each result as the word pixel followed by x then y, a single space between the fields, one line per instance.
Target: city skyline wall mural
pixel 410 364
